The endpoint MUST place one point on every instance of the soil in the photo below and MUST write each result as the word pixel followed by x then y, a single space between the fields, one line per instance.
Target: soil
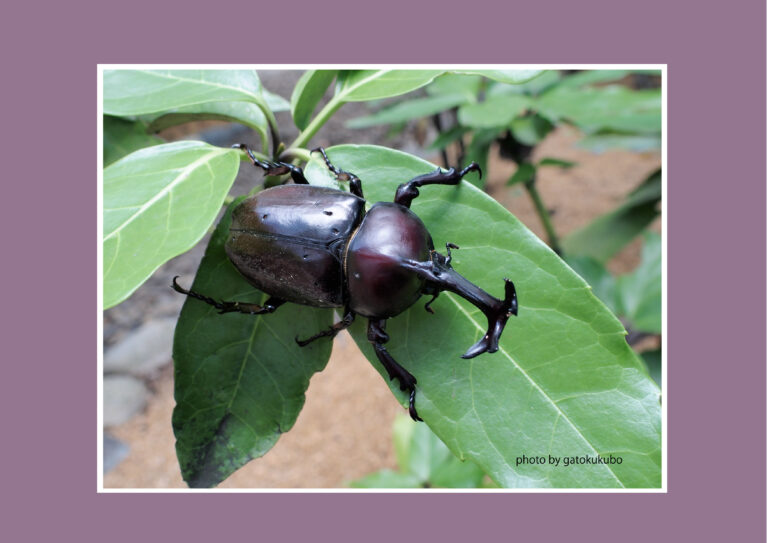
pixel 344 430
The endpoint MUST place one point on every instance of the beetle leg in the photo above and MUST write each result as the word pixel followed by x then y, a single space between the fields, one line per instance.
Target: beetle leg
pixel 248 308
pixel 410 190
pixel 355 187
pixel 330 332
pixel 275 168
pixel 378 337
pixel 428 305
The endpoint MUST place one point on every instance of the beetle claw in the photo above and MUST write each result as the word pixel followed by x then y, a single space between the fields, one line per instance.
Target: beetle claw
pixel 412 408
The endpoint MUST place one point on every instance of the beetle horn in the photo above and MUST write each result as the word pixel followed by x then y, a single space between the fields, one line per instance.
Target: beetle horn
pixel 441 276
pixel 497 314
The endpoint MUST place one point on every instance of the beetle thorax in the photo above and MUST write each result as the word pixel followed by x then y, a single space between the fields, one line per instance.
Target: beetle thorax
pixel 378 285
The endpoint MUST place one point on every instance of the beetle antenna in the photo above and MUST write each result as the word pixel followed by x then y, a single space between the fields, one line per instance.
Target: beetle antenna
pixel 448 247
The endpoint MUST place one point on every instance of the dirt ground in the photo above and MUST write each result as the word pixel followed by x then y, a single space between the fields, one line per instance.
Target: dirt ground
pixel 344 430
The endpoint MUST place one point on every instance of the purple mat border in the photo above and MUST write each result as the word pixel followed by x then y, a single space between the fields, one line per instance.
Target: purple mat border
pixel 716 223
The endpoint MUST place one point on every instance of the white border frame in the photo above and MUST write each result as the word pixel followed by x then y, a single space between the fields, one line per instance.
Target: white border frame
pixel 100 271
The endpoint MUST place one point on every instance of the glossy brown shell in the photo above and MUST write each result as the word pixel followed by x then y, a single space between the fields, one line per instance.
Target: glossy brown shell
pixel 288 241
pixel 379 286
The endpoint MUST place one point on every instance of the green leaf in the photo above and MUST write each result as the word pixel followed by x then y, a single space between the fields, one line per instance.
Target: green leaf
pixel 512 77
pixel 237 112
pixel 639 293
pixel 275 102
pixel 159 202
pixel 122 137
pixel 415 108
pixel 239 379
pixel 564 381
pixel 466 85
pixel 524 173
pixel 605 141
pixel 605 108
pixel 548 161
pixel 531 129
pixel 609 233
pixel 495 112
pixel 307 93
pixel 599 278
pixel 363 85
pixel 534 87
pixel 140 92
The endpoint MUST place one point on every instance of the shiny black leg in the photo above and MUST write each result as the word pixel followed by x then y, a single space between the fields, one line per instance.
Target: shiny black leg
pixel 232 307
pixel 355 187
pixel 275 168
pixel 410 190
pixel 378 337
pixel 331 332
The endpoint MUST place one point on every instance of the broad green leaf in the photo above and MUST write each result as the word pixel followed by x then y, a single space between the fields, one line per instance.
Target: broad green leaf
pixel 495 112
pixel 415 108
pixel 605 141
pixel 524 173
pixel 533 87
pixel 363 85
pixel 140 92
pixel 599 278
pixel 564 381
pixel 639 293
pixel 159 202
pixel 513 77
pixel 237 112
pixel 609 233
pixel 275 102
pixel 531 129
pixel 466 85
pixel 307 93
pixel 239 379
pixel 605 108
pixel 122 137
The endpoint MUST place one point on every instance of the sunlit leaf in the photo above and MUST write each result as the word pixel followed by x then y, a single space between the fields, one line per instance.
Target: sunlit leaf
pixel 140 92
pixel 362 85
pixel 307 93
pixel 564 382
pixel 159 202
pixel 513 77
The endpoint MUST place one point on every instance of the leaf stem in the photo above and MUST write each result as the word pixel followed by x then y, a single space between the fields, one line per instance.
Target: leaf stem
pixel 554 241
pixel 320 119
pixel 295 153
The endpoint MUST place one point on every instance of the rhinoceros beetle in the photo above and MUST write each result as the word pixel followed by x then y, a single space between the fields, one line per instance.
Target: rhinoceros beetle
pixel 318 246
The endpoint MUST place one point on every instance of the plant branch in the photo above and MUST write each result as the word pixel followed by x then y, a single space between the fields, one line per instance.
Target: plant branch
pixel 330 108
pixel 543 214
